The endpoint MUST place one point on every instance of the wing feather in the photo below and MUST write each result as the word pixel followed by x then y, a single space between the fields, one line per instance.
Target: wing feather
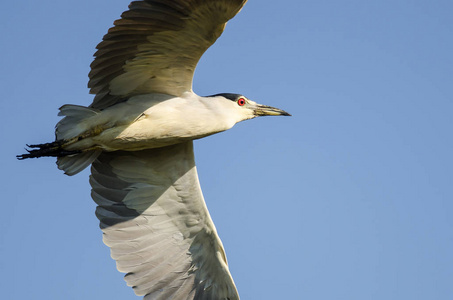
pixel 155 221
pixel 155 47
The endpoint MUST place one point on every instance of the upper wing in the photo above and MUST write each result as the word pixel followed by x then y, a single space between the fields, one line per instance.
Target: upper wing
pixel 155 47
pixel 156 223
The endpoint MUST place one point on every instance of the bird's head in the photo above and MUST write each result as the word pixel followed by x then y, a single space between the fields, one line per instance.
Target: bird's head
pixel 245 108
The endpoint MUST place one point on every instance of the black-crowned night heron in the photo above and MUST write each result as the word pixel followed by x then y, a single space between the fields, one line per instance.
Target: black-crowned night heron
pixel 138 133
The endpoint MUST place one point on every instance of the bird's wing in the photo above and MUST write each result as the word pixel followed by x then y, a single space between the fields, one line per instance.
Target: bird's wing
pixel 155 47
pixel 155 221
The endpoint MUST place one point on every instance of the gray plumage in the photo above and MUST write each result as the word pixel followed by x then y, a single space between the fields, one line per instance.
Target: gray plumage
pixel 138 135
pixel 158 227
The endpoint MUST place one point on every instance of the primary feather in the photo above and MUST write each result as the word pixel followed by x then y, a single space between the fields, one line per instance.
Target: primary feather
pixel 138 134
pixel 156 223
pixel 150 203
pixel 155 47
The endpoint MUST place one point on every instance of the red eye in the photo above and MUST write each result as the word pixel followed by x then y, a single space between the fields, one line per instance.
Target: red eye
pixel 241 101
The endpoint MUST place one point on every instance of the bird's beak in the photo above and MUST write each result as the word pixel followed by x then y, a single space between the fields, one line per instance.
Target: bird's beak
pixel 264 110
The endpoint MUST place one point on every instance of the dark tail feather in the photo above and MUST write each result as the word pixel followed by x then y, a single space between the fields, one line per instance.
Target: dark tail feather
pixel 48 149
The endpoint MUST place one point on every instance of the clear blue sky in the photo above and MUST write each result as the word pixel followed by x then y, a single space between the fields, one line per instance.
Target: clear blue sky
pixel 351 198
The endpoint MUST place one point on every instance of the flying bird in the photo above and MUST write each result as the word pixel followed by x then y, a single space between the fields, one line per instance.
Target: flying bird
pixel 138 136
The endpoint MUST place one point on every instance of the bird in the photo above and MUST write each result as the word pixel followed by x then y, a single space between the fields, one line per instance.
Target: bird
pixel 138 135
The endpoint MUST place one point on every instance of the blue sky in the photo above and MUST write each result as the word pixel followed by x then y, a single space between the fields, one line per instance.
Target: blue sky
pixel 351 198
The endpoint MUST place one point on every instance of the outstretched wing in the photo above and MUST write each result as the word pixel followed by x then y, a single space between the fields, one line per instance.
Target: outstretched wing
pixel 155 47
pixel 156 223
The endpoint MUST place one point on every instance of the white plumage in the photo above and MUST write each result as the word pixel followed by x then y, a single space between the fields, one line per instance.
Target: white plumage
pixel 155 221
pixel 138 133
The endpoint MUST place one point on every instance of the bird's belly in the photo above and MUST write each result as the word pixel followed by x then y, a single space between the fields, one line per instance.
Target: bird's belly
pixel 147 134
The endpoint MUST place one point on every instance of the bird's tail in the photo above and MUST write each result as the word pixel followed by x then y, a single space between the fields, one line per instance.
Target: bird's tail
pixel 68 132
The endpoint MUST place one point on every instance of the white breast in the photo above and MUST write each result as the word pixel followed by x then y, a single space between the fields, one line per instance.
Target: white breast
pixel 155 120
